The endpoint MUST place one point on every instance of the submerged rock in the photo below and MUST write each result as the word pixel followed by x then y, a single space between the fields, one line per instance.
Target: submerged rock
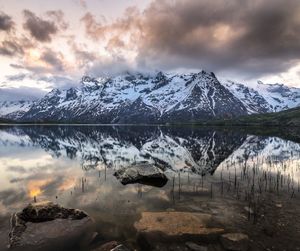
pixel 195 247
pixel 112 246
pixel 120 248
pixel 142 173
pixel 107 246
pixel 235 241
pixel 42 224
pixel 176 223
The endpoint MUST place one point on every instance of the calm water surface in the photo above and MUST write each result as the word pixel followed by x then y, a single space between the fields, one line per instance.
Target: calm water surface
pixel 226 173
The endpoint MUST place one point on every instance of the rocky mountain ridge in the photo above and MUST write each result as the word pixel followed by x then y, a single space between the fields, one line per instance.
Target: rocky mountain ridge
pixel 156 98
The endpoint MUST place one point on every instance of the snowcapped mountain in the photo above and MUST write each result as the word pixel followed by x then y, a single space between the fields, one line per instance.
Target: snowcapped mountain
pixel 15 102
pixel 263 98
pixel 14 109
pixel 140 99
pixel 156 98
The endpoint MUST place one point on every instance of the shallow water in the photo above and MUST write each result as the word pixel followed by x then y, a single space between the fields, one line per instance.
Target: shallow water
pixel 226 173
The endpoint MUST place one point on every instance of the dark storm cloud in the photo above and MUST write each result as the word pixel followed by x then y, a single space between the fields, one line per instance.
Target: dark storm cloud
pixel 251 37
pixel 6 22
pixel 42 30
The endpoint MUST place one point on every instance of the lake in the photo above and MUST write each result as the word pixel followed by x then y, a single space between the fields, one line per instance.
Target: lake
pixel 245 183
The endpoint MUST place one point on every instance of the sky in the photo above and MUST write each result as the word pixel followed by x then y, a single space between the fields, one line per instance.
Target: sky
pixel 53 43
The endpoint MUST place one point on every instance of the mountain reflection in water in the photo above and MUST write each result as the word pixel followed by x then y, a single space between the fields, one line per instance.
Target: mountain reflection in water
pixel 74 165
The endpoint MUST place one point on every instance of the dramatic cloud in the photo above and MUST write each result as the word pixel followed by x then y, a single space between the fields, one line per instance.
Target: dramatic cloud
pixel 6 22
pixel 242 40
pixel 82 54
pixel 15 46
pixel 40 29
pixel 94 29
pixel 58 81
pixel 58 17
pixel 250 37
pixel 10 48
pixel 17 77
pixel 108 68
pixel 53 59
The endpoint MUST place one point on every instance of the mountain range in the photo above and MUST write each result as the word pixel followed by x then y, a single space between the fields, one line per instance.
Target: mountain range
pixel 153 98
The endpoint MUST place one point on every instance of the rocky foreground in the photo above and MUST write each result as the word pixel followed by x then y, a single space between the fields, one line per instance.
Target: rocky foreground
pixel 49 226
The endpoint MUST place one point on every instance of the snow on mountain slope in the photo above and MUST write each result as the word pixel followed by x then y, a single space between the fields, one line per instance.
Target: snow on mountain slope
pixel 153 98
pixel 279 96
pixel 15 102
pixel 14 109
pixel 251 99
pixel 262 98
pixel 137 98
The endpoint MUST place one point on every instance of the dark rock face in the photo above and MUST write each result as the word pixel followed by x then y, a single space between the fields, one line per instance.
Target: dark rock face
pixel 142 173
pixel 39 224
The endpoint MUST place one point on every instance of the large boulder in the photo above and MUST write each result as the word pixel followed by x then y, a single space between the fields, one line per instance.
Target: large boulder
pixel 142 173
pixel 45 224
